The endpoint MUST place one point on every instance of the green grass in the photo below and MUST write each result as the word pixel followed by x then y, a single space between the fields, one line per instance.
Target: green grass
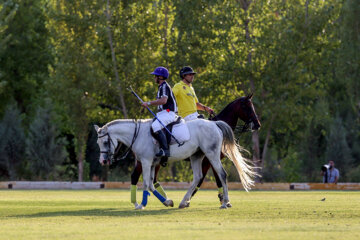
pixel 108 214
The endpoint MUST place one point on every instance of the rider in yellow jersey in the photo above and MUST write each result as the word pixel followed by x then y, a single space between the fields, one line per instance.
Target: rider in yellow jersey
pixel 187 102
pixel 186 99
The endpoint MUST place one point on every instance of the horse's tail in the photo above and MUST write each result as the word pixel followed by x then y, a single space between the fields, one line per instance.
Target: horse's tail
pixel 232 150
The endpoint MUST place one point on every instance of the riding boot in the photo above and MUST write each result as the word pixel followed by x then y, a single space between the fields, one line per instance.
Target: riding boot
pixel 164 147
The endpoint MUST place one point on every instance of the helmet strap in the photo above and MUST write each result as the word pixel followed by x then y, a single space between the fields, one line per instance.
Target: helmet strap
pixel 186 79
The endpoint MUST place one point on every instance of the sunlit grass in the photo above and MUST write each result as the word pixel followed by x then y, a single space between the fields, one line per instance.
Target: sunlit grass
pixel 108 214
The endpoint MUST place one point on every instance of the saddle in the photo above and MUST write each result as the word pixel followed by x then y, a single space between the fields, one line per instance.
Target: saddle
pixel 178 129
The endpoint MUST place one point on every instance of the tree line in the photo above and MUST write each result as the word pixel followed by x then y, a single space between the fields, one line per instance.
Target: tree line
pixel 66 65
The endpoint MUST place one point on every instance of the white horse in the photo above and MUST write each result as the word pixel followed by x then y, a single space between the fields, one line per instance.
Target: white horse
pixel 207 138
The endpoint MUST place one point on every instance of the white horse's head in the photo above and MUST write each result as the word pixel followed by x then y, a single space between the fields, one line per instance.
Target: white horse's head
pixel 105 143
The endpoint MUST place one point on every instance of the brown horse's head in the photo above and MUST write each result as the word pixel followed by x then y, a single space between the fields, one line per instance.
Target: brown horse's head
pixel 247 113
pixel 242 108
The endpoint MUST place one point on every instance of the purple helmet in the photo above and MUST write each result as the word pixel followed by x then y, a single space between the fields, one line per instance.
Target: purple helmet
pixel 161 71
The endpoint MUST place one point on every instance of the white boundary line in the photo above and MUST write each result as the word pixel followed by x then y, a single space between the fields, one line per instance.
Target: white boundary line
pixel 175 185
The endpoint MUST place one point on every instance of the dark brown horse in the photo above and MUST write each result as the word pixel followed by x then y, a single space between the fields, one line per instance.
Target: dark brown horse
pixel 242 108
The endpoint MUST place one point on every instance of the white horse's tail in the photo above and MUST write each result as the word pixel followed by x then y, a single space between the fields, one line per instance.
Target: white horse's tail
pixel 232 150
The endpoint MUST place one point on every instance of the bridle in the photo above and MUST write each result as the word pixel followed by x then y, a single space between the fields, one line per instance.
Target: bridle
pixel 108 153
pixel 113 157
pixel 247 127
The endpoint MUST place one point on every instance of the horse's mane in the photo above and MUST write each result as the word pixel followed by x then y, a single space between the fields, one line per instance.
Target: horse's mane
pixel 117 121
pixel 227 108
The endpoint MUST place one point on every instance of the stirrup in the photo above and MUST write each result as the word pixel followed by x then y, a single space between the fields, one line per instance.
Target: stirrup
pixel 163 153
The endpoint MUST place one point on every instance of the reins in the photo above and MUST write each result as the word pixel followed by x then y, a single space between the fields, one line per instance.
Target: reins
pixel 212 116
pixel 136 133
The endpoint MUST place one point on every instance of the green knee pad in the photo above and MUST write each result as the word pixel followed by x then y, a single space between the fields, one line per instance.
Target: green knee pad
pixel 159 188
pixel 133 189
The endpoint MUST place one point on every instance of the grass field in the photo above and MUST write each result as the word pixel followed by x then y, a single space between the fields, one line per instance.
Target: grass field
pixel 108 214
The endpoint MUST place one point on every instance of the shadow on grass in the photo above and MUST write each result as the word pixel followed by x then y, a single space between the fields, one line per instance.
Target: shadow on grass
pixel 107 212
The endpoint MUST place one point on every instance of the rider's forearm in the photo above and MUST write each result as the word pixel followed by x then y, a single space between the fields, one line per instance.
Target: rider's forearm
pixel 200 106
pixel 157 102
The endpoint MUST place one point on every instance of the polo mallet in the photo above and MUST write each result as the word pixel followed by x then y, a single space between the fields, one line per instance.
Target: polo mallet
pixel 177 141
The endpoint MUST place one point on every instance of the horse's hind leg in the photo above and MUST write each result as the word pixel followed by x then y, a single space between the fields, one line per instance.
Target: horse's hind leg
pixel 205 165
pixel 219 185
pixel 205 168
pixel 197 175
pixel 216 164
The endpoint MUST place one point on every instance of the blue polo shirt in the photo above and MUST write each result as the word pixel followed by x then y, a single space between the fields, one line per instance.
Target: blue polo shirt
pixel 331 175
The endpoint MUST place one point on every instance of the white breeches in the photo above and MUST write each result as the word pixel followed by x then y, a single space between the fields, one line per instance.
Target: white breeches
pixel 191 117
pixel 165 117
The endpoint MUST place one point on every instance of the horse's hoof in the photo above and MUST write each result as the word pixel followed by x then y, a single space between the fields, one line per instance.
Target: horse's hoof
pixel 184 205
pixel 223 206
pixel 169 203
pixel 181 206
pixel 139 207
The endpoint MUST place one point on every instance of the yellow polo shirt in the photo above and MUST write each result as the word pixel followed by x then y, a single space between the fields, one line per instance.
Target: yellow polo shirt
pixel 185 98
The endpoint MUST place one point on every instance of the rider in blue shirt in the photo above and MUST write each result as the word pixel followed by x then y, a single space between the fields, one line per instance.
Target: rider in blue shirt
pixel 330 173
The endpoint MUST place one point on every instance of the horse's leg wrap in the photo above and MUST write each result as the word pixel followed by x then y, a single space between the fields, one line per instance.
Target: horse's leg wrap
pixel 133 189
pixel 221 194
pixel 160 189
pixel 159 196
pixel 145 198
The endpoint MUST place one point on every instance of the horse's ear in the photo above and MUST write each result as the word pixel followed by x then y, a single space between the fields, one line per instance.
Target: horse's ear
pixel 96 128
pixel 250 96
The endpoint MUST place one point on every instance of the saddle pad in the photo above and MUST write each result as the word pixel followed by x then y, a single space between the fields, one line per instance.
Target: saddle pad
pixel 181 132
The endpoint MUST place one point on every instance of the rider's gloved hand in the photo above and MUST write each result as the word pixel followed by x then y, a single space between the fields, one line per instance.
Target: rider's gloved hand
pixel 209 110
